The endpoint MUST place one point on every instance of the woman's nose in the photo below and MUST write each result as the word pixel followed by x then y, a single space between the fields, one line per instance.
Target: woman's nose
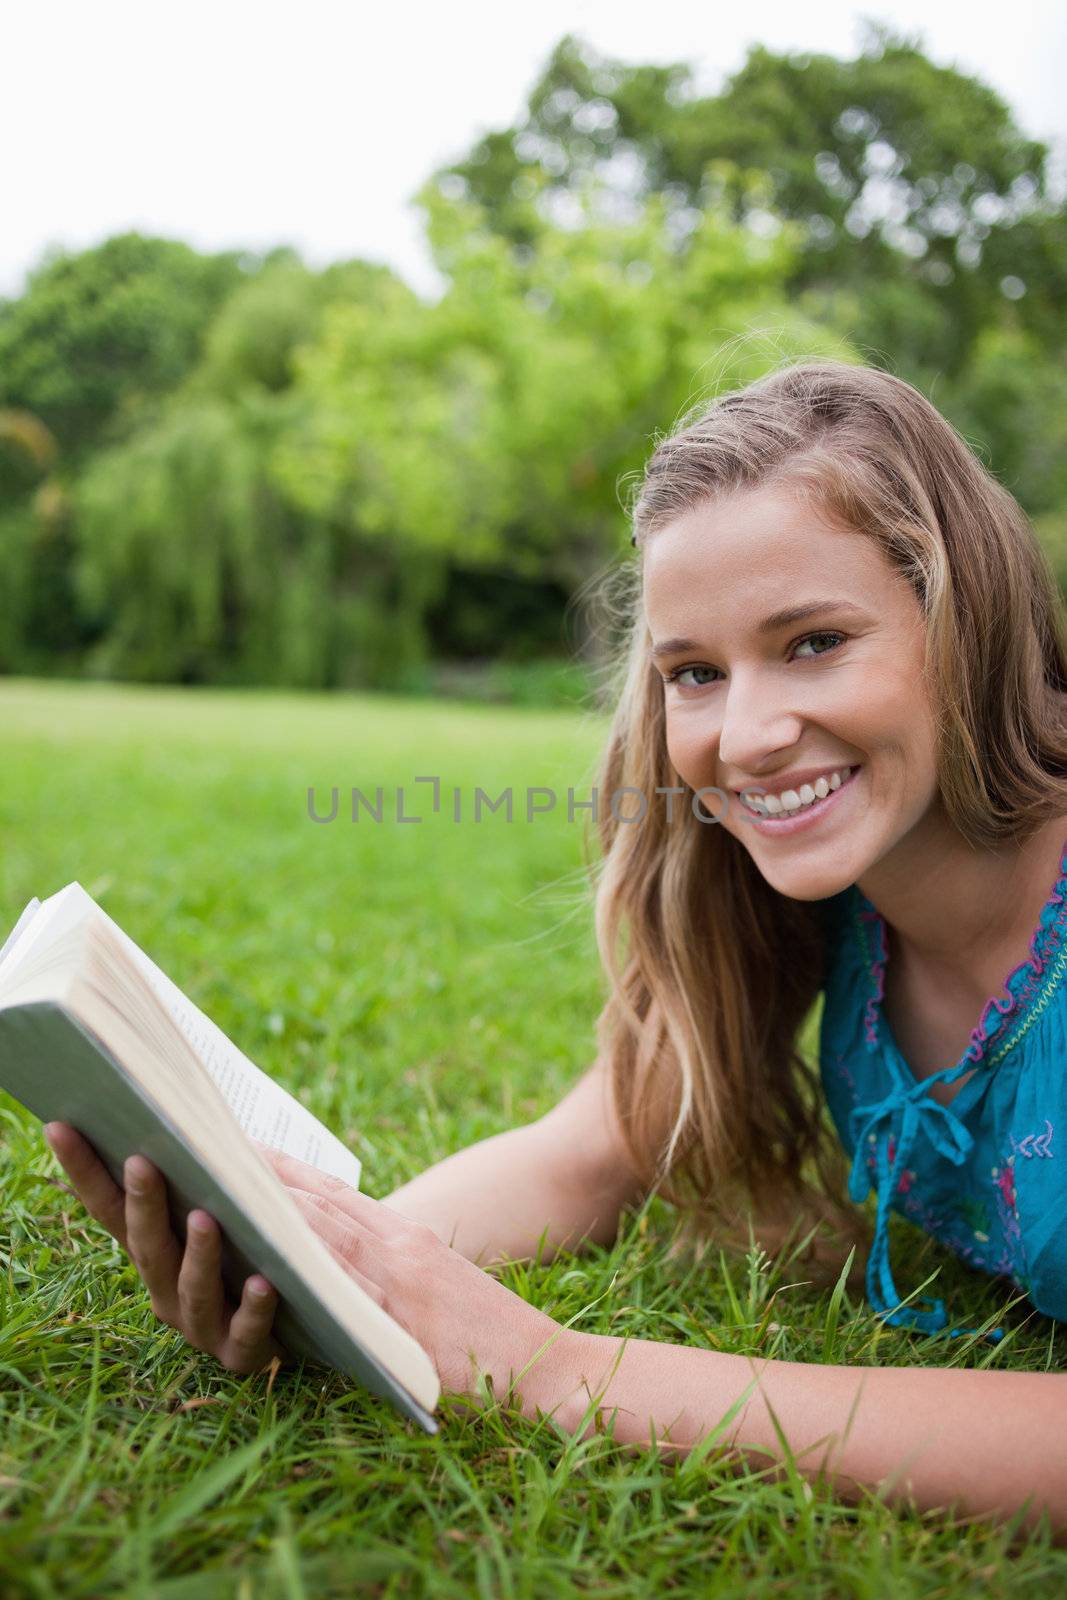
pixel 756 722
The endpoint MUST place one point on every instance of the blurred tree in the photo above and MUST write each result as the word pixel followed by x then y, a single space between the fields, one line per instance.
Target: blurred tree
pixel 233 469
pixel 36 600
pixel 195 563
pixel 27 435
pixel 1011 405
pixel 89 350
pixel 98 336
pixel 178 543
pixel 491 430
pixel 252 342
pixel 913 189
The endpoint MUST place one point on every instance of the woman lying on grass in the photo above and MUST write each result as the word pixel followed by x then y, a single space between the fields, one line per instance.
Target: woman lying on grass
pixel 841 610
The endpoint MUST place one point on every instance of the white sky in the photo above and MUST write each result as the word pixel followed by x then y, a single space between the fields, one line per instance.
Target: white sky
pixel 252 123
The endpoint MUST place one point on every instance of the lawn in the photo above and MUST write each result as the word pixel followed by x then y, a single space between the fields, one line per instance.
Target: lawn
pixel 420 986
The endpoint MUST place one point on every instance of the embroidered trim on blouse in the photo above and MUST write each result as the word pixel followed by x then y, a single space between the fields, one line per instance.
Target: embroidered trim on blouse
pixel 1044 943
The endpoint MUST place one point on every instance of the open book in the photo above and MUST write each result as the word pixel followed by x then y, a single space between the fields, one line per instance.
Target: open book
pixel 93 1033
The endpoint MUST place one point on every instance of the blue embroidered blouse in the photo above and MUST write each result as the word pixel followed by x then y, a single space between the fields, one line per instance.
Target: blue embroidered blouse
pixel 985 1175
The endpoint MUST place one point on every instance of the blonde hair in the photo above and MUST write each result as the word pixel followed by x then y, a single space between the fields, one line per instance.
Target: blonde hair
pixel 712 971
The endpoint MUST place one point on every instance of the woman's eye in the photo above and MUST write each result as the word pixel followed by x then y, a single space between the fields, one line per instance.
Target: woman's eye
pixel 681 675
pixel 815 636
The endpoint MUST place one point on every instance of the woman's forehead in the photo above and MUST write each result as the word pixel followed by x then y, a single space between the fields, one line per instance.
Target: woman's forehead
pixel 746 566
pixel 740 546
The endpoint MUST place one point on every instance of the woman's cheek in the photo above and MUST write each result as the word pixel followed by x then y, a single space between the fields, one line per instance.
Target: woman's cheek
pixel 691 752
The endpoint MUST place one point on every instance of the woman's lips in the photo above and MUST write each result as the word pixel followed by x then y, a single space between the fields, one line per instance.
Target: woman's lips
pixel 794 821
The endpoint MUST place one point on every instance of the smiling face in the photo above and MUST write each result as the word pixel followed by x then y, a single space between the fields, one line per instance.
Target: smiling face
pixel 757 709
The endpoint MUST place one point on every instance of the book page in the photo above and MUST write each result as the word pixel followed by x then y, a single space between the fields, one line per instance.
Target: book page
pixel 19 929
pixel 264 1110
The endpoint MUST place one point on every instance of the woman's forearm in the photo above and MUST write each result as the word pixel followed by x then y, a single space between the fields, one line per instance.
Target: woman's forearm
pixel 493 1200
pixel 979 1441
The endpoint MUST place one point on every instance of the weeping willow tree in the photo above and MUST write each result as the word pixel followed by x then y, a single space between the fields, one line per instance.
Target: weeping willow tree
pixel 198 560
pixel 188 558
pixel 195 566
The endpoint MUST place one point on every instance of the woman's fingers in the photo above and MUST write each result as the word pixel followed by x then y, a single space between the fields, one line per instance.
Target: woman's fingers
pixel 333 1224
pixel 249 1343
pixel 368 1285
pixel 202 1313
pixel 150 1240
pixel 334 1228
pixel 370 1214
pixel 186 1288
pixel 91 1181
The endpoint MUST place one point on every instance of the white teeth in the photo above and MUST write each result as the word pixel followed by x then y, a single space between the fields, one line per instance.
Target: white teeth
pixel 790 800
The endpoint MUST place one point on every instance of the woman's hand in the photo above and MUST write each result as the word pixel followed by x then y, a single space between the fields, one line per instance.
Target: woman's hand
pixel 465 1320
pixel 186 1289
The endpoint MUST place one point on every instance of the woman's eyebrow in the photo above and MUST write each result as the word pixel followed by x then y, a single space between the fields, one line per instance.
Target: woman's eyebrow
pixel 771 624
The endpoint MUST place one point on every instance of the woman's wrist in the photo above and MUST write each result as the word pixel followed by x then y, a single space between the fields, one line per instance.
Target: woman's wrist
pixel 560 1381
pixel 649 1385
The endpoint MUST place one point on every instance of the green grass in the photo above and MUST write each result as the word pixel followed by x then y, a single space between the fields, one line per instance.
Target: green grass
pixel 420 986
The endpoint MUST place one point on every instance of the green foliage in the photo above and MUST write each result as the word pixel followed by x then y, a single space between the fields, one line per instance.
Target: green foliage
pixel 1013 408
pixel 196 563
pixel 181 544
pixel 99 336
pixel 16 533
pixel 236 470
pixel 253 342
pixel 496 424
pixel 909 182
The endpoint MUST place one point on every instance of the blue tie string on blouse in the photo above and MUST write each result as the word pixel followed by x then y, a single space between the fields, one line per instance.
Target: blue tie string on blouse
pixel 982 1175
